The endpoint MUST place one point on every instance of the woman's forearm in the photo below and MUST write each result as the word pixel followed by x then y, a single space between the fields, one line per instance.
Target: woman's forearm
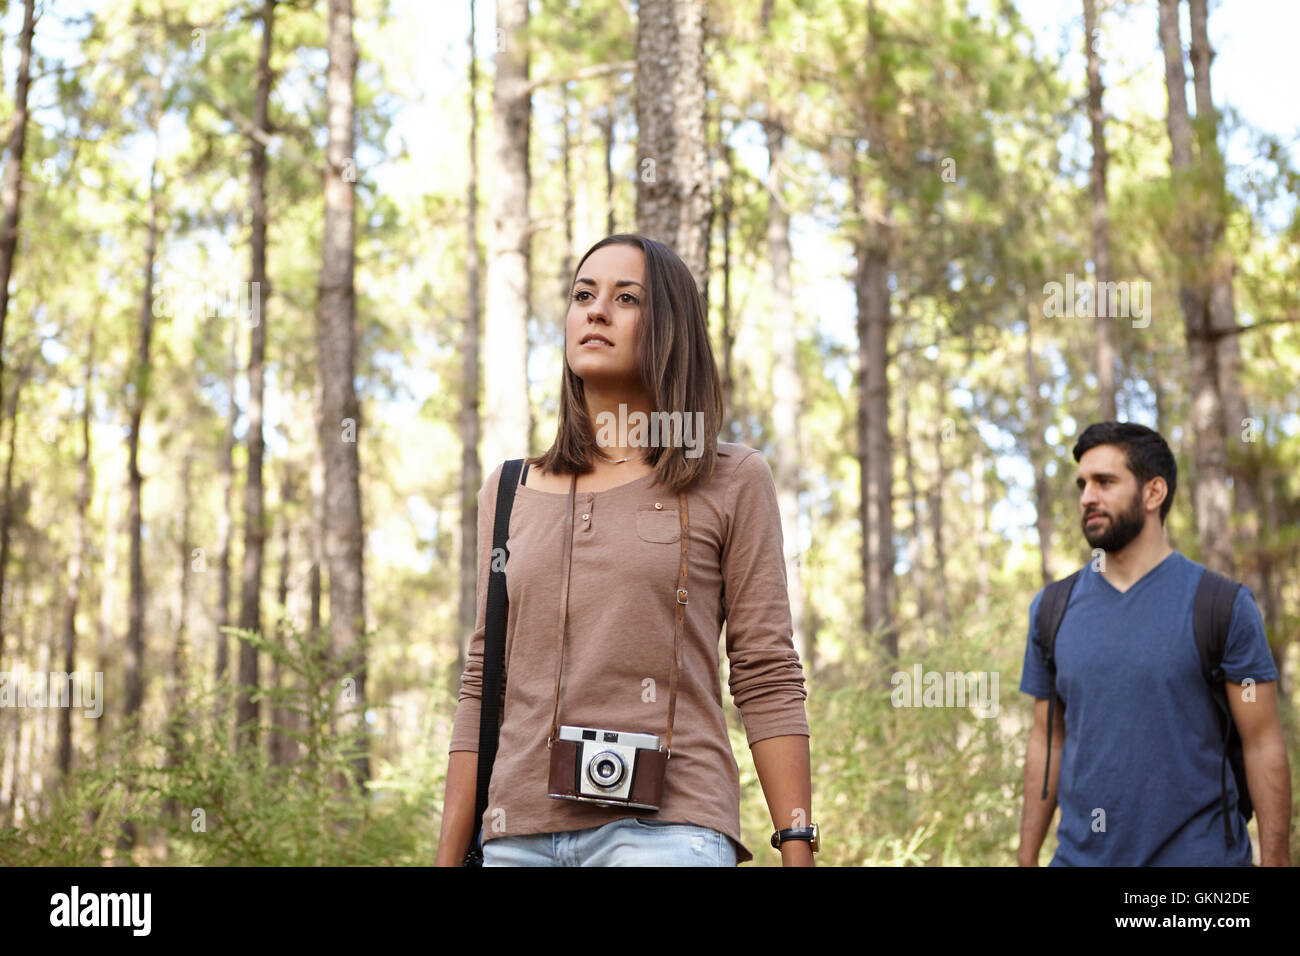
pixel 458 808
pixel 785 772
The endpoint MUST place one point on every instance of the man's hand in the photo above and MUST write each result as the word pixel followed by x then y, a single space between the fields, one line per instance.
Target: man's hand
pixel 1268 774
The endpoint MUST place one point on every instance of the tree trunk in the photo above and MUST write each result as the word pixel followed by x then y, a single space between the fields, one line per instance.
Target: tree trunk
pixel 508 427
pixel 250 598
pixel 1034 446
pixel 1212 503
pixel 7 512
pixel 1223 314
pixel 133 706
pixel 282 718
pixel 607 138
pixel 979 504
pixel 177 706
pixel 109 601
pixel 139 395
pixel 77 560
pixel 15 151
pixel 935 507
pixel 672 194
pixel 471 472
pixel 916 549
pixel 336 338
pixel 225 521
pixel 1100 218
pixel 787 389
pixel 728 334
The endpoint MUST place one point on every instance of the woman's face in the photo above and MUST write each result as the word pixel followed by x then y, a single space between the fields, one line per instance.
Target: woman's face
pixel 605 302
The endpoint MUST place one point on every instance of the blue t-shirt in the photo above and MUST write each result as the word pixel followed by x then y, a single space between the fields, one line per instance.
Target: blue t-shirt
pixel 1139 779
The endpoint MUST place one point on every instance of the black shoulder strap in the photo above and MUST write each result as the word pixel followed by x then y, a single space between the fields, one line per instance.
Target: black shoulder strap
pixel 1211 619
pixel 494 646
pixel 1051 610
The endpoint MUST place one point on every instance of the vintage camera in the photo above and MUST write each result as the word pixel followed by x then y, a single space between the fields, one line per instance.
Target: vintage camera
pixel 609 767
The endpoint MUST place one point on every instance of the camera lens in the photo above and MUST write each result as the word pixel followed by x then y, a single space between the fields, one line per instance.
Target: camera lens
pixel 606 770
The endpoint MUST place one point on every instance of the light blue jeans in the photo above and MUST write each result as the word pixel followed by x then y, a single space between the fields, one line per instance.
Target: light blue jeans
pixel 632 841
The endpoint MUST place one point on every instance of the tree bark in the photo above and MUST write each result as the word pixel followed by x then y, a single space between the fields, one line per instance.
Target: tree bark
pixel 1243 463
pixel 139 396
pixel 250 598
pixel 15 151
pixel 7 514
pixel 225 521
pixel 508 427
pixel 336 339
pixel 607 138
pixel 471 472
pixel 935 507
pixel 1100 218
pixel 672 195
pixel 1042 488
pixel 916 550
pixel 728 334
pixel 787 389
pixel 77 559
pixel 1212 503
pixel 176 703
pixel 282 718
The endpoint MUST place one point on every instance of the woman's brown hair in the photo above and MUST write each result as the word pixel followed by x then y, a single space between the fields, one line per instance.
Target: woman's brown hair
pixel 676 366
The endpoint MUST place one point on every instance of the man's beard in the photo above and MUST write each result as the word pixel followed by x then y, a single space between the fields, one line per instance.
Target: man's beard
pixel 1117 532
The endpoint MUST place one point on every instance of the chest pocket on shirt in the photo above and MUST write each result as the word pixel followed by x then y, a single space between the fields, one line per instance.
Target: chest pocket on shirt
pixel 658 526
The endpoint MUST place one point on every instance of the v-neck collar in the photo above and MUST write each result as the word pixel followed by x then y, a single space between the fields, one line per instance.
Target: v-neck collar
pixel 1149 574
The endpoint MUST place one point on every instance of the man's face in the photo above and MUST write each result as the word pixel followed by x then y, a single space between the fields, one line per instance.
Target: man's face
pixel 1110 500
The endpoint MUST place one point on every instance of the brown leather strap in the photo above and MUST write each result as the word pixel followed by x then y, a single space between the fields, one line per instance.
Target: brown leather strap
pixel 564 609
pixel 681 598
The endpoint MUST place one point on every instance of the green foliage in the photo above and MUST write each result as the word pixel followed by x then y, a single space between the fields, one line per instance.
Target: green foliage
pixel 197 800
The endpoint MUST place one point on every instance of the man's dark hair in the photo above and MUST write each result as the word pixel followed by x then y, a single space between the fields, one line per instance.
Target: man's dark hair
pixel 1145 452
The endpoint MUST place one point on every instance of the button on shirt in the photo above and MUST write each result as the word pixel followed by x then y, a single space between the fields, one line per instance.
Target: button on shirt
pixel 619 651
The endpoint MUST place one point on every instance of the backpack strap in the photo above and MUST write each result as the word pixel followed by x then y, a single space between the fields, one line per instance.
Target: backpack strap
pixel 1051 610
pixel 494 651
pixel 1211 618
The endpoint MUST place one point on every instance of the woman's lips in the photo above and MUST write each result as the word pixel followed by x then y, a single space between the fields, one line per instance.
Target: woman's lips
pixel 595 343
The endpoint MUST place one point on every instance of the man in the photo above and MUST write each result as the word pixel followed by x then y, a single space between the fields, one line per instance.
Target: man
pixel 1136 743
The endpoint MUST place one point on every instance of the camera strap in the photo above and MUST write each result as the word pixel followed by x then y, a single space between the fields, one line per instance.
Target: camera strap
pixel 679 613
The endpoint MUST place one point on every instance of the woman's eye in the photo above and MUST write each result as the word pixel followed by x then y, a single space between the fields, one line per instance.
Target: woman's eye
pixel 626 297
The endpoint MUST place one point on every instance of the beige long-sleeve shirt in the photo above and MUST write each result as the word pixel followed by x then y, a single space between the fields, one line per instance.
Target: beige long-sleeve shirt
pixel 622 592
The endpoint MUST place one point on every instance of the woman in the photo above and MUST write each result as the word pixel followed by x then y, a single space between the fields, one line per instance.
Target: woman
pixel 604 507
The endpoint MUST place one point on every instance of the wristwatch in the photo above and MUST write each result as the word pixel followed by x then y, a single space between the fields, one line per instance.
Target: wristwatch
pixel 810 833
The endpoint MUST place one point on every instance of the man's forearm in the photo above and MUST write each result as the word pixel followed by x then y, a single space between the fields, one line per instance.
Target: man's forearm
pixel 784 770
pixel 1268 777
pixel 1036 814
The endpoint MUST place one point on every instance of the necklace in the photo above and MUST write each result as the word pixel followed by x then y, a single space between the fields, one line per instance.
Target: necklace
pixel 611 460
